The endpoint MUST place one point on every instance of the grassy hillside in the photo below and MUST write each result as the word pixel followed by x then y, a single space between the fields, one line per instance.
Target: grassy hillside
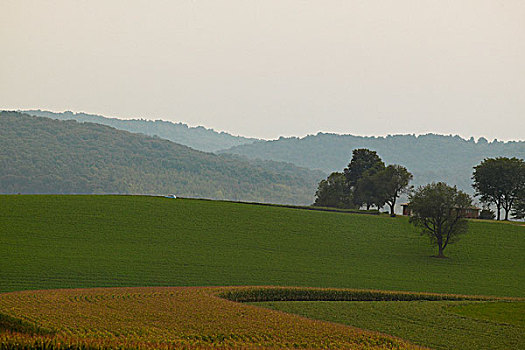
pixel 429 157
pixel 41 155
pixel 96 241
pixel 199 138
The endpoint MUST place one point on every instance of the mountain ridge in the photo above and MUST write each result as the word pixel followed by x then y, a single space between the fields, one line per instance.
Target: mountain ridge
pixel 430 157
pixel 196 137
pixel 42 155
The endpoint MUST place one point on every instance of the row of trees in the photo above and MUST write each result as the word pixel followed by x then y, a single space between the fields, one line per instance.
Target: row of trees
pixel 501 182
pixel 365 182
pixel 368 182
pixel 437 209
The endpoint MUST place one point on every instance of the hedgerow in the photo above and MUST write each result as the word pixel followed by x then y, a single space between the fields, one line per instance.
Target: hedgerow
pixel 258 294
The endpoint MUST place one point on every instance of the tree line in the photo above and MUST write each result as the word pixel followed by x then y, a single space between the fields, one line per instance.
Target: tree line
pixel 430 158
pixel 501 182
pixel 437 209
pixel 366 181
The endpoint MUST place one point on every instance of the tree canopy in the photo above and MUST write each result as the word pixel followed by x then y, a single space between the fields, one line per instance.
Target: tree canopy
pixel 363 162
pixel 438 210
pixel 389 184
pixel 331 192
pixel 366 181
pixel 518 210
pixel 500 181
pixel 41 155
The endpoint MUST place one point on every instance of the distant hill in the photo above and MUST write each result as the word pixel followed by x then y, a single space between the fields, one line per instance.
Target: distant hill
pixel 42 155
pixel 429 157
pixel 199 138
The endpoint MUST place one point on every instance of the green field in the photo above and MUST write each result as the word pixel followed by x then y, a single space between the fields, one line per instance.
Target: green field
pixel 96 241
pixel 437 324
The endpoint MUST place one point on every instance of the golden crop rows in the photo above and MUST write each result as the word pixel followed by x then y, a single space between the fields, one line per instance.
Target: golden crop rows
pixel 169 317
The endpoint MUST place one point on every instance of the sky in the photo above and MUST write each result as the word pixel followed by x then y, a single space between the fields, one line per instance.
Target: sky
pixel 275 67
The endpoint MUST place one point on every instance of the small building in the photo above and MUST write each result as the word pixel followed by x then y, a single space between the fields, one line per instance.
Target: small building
pixel 406 210
pixel 470 213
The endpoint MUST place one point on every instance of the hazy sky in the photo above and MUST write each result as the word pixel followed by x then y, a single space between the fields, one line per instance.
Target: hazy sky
pixel 273 67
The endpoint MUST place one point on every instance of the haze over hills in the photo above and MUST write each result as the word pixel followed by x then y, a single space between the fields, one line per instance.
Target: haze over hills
pixel 199 138
pixel 42 155
pixel 429 157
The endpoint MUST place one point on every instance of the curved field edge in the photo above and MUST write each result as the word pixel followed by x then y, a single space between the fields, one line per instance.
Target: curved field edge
pixel 415 317
pixel 192 317
pixel 435 324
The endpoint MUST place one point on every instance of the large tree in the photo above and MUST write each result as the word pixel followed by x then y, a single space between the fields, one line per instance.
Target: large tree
pixel 439 211
pixel 363 161
pixel 389 184
pixel 363 165
pixel 500 181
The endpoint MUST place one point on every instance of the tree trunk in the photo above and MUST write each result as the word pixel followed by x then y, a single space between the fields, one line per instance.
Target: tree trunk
pixel 498 209
pixel 392 213
pixel 507 214
pixel 440 252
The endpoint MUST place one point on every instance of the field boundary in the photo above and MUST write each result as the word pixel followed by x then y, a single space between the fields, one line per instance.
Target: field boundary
pixel 227 322
pixel 274 293
pixel 289 206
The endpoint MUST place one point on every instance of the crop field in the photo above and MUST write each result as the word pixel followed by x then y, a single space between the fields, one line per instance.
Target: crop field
pixel 436 324
pixel 165 318
pixel 172 259
pixel 50 242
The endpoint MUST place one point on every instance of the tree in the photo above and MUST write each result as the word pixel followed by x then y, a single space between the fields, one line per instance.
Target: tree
pixel 365 193
pixel 363 161
pixel 389 184
pixel 499 181
pixel 438 210
pixel 364 164
pixel 487 214
pixel 332 192
pixel 518 211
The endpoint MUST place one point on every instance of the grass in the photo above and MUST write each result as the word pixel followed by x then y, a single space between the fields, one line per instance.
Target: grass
pixel 503 313
pixel 51 242
pixel 169 318
pixel 436 324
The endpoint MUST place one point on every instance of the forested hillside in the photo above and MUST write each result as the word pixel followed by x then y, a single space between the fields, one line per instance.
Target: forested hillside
pixel 429 157
pixel 199 138
pixel 41 155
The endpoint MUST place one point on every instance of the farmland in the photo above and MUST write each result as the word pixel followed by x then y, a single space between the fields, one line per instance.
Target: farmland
pixel 170 318
pixel 168 254
pixel 437 324
pixel 173 317
pixel 52 242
